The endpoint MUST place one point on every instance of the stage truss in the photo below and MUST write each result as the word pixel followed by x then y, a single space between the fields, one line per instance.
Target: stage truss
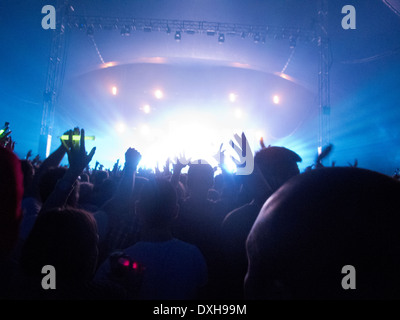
pixel 67 20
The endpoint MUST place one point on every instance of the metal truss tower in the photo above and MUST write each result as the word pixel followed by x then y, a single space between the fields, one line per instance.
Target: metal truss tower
pixel 323 77
pixel 54 78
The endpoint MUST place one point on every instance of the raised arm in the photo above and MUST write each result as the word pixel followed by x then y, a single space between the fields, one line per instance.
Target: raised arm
pixel 78 160
pixel 179 164
pixel 125 188
pixel 53 160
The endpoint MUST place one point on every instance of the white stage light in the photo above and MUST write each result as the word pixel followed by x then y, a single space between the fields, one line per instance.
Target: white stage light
pixel 146 108
pixel 238 113
pixel 158 94
pixel 120 127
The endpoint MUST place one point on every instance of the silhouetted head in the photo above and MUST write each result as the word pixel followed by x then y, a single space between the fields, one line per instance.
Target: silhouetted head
pixel 273 167
pixel 157 205
pixel 99 177
pixel 85 193
pixel 277 165
pixel 104 191
pixel 11 193
pixel 200 179
pixel 48 183
pixel 84 177
pixel 66 239
pixel 49 180
pixel 319 222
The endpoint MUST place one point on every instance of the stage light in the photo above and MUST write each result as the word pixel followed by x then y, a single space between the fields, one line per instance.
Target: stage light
pixel 120 127
pixel 276 99
pixel 292 43
pixel 126 31
pixel 238 113
pixel 146 108
pixel 178 36
pixel 158 94
pixel 114 90
pixel 230 165
pixel 144 129
pixel 221 38
pixel 232 97
pixel 263 39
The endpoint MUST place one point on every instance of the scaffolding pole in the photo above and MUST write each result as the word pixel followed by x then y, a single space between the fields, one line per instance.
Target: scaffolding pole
pixel 54 77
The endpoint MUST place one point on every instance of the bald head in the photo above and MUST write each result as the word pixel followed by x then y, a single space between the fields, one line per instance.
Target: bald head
pixel 319 222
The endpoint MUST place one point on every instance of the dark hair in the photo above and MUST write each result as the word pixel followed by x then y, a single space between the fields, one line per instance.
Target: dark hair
pixel 49 180
pixel 64 238
pixel 200 176
pixel 85 192
pixel 157 202
pixel 11 186
pixel 277 165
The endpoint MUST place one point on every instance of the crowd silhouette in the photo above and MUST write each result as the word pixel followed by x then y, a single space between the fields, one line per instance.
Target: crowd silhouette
pixel 133 234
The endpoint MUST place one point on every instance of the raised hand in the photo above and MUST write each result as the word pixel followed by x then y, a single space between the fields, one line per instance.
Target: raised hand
pixel 262 143
pixel 132 158
pixel 36 160
pixel 166 167
pixel 28 155
pixel 69 143
pixel 355 165
pixel 180 162
pixel 10 144
pixel 4 135
pixel 77 156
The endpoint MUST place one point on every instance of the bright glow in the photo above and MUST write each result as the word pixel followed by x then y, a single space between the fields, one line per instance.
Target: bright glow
pixel 259 134
pixel 77 137
pixel 146 108
pixel 114 90
pixel 134 265
pixel 108 65
pixel 120 127
pixel 144 129
pixel 276 99
pixel 230 165
pixel 232 97
pixel 124 262
pixel 238 113
pixel 158 94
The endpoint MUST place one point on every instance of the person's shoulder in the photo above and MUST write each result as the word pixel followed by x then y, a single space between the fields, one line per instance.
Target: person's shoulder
pixel 184 245
pixel 237 213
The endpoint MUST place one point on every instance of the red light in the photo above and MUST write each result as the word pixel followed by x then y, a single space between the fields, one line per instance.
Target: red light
pixel 134 265
pixel 124 262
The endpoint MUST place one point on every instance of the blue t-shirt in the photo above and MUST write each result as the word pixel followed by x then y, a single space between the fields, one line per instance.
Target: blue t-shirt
pixel 174 270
